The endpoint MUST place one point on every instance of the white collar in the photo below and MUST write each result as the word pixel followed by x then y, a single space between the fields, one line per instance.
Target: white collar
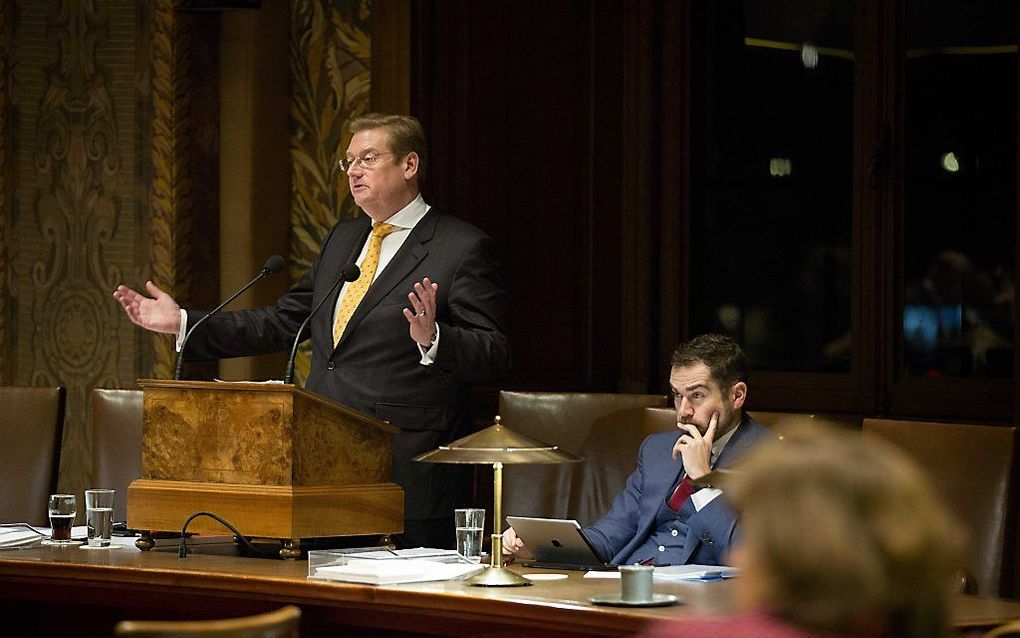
pixel 410 215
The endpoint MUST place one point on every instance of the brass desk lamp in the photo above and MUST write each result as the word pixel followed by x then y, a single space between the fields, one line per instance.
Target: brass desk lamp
pixel 498 445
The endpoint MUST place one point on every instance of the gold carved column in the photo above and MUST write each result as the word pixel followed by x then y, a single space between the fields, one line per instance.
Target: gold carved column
pixel 172 183
pixel 331 46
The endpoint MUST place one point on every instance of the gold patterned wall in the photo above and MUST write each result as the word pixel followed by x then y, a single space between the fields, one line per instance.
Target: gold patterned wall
pixel 98 178
pixel 77 206
pixel 331 47
pixel 5 199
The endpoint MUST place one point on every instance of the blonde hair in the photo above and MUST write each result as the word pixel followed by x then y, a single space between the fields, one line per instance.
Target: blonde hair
pixel 404 133
pixel 846 533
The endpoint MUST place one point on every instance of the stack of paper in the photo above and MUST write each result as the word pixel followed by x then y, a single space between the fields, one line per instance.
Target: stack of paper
pixel 18 538
pixel 391 572
pixel 411 552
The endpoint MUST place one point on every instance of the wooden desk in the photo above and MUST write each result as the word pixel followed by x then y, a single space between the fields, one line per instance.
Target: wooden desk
pixel 50 589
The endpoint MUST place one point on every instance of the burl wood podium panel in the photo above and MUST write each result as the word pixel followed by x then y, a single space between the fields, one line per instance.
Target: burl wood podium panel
pixel 274 460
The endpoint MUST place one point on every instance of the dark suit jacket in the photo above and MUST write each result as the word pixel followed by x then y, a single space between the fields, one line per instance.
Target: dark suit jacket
pixel 631 520
pixel 376 366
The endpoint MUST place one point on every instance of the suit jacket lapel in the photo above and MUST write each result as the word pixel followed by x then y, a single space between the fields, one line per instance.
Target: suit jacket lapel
pixel 736 446
pixel 407 258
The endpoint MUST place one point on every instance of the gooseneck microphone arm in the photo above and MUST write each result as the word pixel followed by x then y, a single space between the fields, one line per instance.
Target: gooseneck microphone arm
pixel 350 272
pixel 273 265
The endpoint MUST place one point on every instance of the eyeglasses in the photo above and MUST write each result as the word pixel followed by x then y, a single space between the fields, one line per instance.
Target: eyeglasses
pixel 367 161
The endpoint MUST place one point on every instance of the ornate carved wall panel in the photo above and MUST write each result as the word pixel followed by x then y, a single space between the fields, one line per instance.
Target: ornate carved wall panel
pixel 331 45
pixel 77 209
pixel 5 192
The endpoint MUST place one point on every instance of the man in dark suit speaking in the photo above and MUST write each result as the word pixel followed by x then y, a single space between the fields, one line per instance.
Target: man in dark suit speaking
pixel 405 341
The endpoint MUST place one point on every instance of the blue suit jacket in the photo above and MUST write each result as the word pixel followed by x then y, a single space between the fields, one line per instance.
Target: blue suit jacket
pixel 632 518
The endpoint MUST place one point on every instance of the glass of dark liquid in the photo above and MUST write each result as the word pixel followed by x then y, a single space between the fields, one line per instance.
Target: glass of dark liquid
pixel 62 508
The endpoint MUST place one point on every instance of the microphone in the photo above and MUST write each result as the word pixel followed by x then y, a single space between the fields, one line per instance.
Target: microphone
pixel 350 272
pixel 273 265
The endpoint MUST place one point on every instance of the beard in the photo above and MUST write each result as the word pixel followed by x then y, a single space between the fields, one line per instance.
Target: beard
pixel 726 420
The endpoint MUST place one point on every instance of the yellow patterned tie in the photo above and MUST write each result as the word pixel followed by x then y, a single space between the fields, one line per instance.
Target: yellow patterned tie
pixel 356 289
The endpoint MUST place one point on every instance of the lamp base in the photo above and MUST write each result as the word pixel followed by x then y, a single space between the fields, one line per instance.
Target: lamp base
pixel 497 577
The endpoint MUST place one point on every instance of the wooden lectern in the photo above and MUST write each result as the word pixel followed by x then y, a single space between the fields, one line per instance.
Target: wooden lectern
pixel 275 460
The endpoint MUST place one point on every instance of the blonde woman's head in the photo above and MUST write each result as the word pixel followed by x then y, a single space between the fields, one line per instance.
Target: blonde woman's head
pixel 843 533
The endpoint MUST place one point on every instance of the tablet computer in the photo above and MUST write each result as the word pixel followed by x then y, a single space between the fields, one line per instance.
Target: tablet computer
pixel 556 543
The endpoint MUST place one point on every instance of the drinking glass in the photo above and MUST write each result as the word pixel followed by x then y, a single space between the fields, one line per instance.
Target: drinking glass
pixel 99 516
pixel 62 510
pixel 470 523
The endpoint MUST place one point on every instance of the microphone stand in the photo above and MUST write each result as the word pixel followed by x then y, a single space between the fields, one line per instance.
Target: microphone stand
pixel 350 272
pixel 265 272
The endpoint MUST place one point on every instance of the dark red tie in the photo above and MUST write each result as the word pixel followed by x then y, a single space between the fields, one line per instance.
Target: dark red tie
pixel 681 493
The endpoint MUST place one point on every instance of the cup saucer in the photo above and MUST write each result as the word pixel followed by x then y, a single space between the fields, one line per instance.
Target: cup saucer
pixel 70 543
pixel 615 600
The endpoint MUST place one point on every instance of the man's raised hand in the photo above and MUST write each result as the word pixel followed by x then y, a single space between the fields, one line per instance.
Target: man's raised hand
pixel 159 313
pixel 695 448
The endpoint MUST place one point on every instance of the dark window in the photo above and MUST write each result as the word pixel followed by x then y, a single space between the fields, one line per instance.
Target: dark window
pixel 771 172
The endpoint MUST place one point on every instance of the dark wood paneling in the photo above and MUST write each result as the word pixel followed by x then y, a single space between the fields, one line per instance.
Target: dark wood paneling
pixel 524 106
pixel 391 56
pixel 563 130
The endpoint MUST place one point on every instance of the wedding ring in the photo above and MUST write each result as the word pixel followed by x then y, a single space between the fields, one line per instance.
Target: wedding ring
pixel 421 314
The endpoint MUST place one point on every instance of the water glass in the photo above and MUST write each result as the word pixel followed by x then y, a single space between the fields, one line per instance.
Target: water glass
pixel 62 510
pixel 470 523
pixel 99 516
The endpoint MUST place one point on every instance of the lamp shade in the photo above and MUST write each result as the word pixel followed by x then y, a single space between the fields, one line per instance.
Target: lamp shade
pixel 497 444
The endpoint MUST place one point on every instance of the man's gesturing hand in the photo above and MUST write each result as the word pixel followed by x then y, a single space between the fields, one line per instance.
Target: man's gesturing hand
pixel 696 449
pixel 423 320
pixel 159 313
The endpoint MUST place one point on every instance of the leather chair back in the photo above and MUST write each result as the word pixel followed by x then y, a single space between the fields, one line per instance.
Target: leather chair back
pixel 605 429
pixel 973 467
pixel 31 427
pixel 663 419
pixel 780 420
pixel 116 442
pixel 659 419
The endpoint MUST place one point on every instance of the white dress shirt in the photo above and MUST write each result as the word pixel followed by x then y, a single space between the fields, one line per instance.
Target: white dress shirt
pixel 706 495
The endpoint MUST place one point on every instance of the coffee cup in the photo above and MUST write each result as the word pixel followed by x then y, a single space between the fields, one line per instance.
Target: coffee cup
pixel 636 583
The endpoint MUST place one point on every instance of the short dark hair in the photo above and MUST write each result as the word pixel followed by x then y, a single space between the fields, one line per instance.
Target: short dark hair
pixel 404 133
pixel 722 354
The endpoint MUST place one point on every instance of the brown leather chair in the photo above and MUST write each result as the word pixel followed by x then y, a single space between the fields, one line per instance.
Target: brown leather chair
pixel 282 623
pixel 31 427
pixel 780 420
pixel 663 419
pixel 974 468
pixel 116 442
pixel 605 429
pixel 659 419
